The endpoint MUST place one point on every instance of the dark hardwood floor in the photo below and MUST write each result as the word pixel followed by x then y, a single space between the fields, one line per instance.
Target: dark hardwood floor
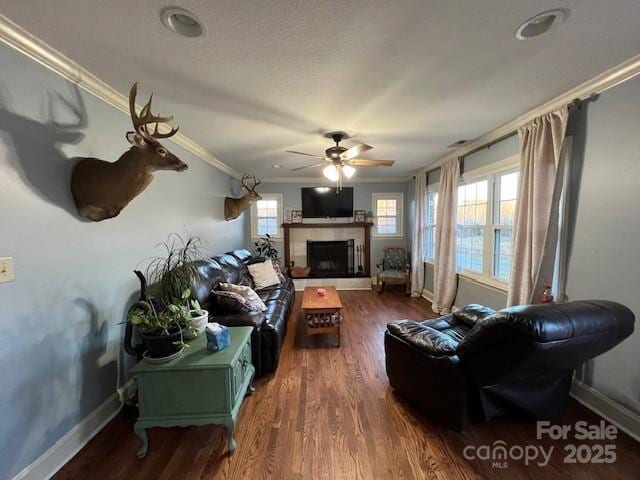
pixel 329 413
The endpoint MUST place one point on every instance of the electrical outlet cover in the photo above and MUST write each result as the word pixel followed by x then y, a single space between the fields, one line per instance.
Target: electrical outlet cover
pixel 6 269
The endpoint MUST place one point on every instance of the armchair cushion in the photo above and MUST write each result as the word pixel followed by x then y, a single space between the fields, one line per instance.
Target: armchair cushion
pixel 470 314
pixel 393 274
pixel 395 259
pixel 424 338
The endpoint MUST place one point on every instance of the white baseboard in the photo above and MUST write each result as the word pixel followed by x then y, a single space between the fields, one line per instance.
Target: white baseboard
pixel 621 417
pixel 47 464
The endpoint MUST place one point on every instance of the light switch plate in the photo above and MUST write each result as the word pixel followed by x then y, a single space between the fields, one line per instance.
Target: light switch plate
pixel 6 269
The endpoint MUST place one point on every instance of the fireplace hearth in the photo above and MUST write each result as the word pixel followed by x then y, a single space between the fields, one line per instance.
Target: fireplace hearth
pixel 332 258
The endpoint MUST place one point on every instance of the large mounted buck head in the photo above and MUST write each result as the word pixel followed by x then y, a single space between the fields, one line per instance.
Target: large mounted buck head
pixel 233 207
pixel 159 158
pixel 102 189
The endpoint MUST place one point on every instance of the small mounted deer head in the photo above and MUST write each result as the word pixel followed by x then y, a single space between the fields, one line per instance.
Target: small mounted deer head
pixel 233 207
pixel 102 189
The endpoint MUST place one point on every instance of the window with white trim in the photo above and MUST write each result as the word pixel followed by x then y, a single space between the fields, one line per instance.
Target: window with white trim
pixel 471 224
pixel 266 216
pixel 485 219
pixel 388 209
pixel 506 192
pixel 430 225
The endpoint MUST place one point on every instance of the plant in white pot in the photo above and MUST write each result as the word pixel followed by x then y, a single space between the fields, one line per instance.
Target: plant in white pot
pixel 190 310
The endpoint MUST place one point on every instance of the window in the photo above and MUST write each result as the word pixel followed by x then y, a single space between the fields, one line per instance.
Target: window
pixel 485 218
pixel 388 209
pixel 430 226
pixel 266 215
pixel 471 224
pixel 506 192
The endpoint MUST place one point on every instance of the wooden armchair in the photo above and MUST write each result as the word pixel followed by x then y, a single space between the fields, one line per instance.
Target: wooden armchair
pixel 394 269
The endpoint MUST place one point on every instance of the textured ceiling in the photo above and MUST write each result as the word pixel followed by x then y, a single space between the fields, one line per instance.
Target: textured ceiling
pixel 406 76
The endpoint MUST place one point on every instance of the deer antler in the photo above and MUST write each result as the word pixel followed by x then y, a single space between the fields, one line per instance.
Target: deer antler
pixel 250 182
pixel 142 120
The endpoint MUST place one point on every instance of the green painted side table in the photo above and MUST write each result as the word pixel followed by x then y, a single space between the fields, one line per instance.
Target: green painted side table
pixel 198 388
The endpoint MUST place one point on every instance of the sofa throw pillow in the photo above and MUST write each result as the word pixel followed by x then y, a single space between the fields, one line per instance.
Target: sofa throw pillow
pixel 231 302
pixel 263 274
pixel 247 292
pixel 278 269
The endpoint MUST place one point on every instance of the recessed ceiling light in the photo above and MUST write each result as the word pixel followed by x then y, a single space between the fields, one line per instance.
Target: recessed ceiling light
pixel 182 22
pixel 542 23
pixel 276 165
pixel 459 143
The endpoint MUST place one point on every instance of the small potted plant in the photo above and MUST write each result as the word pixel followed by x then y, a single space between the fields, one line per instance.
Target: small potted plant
pixel 162 332
pixel 190 310
pixel 265 247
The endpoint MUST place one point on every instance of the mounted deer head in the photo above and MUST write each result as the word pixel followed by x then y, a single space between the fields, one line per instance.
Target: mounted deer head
pixel 233 207
pixel 102 189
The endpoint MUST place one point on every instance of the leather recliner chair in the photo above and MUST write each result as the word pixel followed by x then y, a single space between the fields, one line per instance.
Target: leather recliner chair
pixel 475 364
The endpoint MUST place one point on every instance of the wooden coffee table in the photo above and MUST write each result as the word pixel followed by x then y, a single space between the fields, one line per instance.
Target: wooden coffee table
pixel 322 314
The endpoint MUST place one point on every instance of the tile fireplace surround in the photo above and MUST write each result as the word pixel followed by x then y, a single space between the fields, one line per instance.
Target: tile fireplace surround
pixel 296 236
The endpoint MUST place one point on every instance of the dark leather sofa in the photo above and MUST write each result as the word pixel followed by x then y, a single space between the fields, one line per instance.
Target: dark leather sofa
pixel 476 363
pixel 270 327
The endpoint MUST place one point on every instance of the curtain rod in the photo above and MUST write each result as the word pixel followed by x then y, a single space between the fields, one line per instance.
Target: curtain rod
pixel 576 103
pixel 588 90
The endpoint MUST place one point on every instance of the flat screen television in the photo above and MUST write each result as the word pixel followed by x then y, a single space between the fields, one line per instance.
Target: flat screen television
pixel 324 202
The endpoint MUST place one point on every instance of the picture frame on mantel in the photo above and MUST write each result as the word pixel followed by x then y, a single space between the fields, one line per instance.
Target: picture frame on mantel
pixel 358 216
pixel 296 216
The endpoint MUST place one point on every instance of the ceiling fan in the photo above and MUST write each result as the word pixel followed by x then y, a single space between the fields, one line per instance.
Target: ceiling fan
pixel 341 160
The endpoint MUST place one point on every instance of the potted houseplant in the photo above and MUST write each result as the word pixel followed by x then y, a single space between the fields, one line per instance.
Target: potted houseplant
pixel 163 317
pixel 194 315
pixel 175 271
pixel 162 332
pixel 265 247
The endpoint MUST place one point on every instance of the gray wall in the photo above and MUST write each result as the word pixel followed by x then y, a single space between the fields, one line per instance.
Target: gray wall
pixel 604 254
pixel 60 337
pixel 362 200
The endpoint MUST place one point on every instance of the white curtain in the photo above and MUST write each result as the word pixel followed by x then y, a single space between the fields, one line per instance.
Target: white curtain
pixel 445 280
pixel 417 244
pixel 536 228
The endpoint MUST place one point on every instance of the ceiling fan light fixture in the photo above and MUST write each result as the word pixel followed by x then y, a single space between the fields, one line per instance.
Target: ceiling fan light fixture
pixel 348 171
pixel 331 172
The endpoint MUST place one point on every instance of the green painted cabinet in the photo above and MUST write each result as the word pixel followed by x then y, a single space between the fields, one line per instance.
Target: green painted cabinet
pixel 198 388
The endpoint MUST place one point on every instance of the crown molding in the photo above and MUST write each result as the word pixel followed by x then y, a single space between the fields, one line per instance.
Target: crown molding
pixel 34 48
pixel 598 84
pixel 325 181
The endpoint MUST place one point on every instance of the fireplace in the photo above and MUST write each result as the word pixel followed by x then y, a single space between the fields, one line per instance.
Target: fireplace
pixel 332 258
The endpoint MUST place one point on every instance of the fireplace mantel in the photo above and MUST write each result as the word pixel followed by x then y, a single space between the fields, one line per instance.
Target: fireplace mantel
pixel 367 238
pixel 326 225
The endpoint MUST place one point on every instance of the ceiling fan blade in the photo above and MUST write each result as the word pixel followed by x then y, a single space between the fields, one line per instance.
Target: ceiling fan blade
pixel 307 154
pixel 309 166
pixel 355 151
pixel 367 162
